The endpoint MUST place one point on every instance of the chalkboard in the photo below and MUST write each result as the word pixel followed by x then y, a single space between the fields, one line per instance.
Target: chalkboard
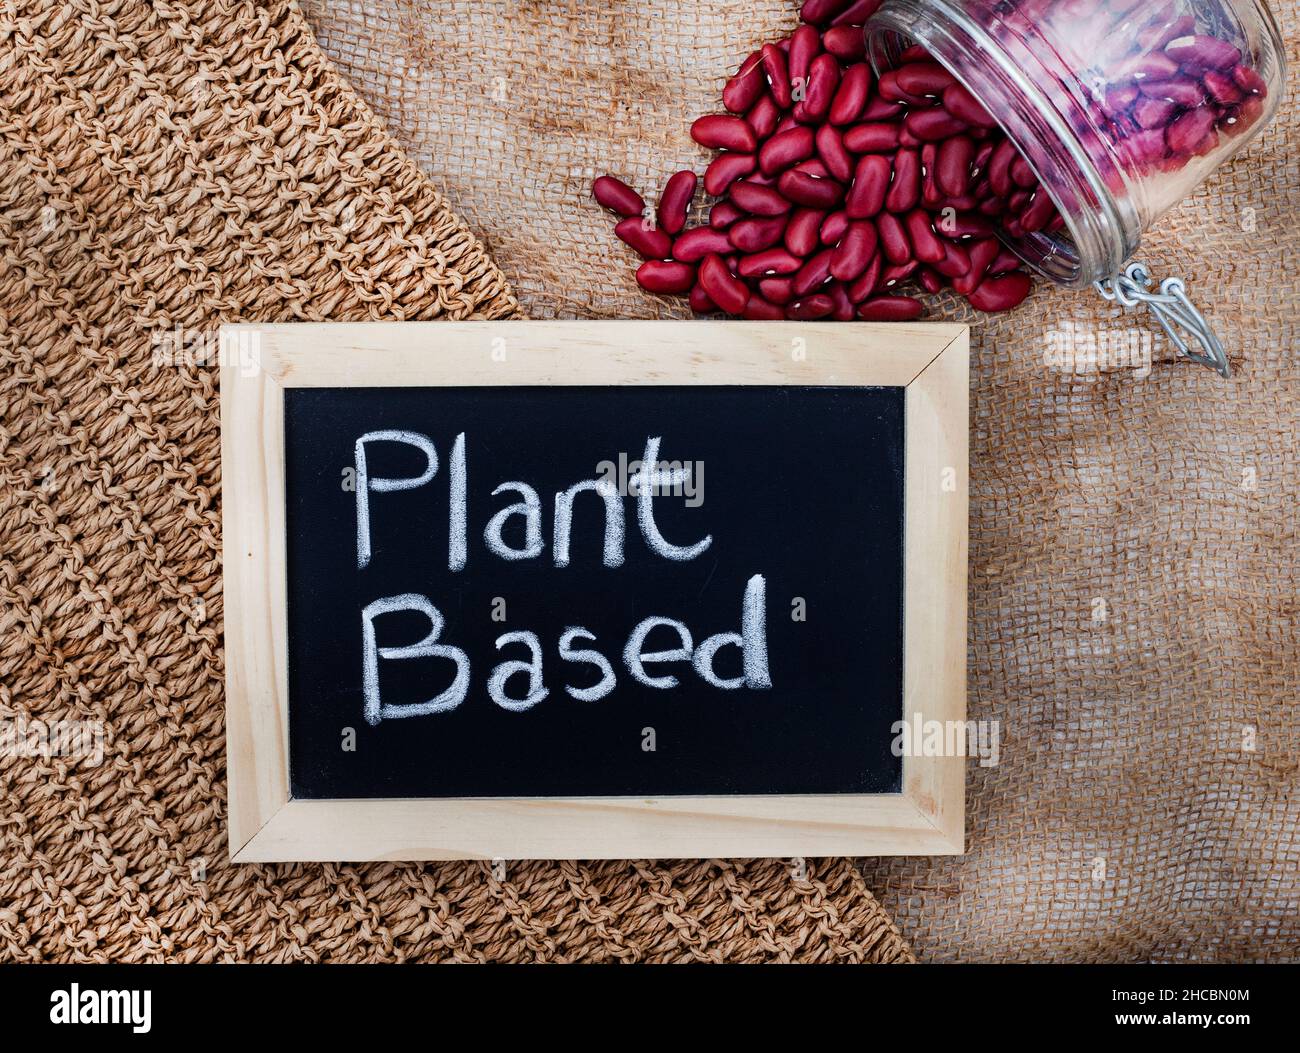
pixel 591 590
pixel 788 498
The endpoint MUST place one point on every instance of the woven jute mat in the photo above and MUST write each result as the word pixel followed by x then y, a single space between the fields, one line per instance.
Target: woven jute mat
pixel 165 167
pixel 1134 536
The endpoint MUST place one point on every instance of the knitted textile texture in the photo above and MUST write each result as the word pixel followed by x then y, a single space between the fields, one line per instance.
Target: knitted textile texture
pixel 1135 564
pixel 165 167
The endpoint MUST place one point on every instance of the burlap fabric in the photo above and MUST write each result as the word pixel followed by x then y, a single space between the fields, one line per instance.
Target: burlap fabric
pixel 165 167
pixel 1133 538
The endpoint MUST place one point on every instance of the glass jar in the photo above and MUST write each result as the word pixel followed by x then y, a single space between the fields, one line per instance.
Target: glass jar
pixel 1120 107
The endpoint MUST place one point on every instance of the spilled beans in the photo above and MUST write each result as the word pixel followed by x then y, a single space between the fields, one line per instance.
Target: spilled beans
pixel 834 191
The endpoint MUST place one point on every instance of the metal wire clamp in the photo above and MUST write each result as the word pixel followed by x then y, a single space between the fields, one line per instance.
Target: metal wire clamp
pixel 1174 311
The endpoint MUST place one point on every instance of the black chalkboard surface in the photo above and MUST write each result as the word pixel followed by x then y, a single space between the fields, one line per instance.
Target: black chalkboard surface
pixel 798 491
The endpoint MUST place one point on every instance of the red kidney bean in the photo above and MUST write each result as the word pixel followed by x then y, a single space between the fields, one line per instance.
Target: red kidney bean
pixel 1249 81
pixel 830 148
pixel 844 307
pixel 1022 175
pixel 893 238
pixel 778 74
pixel 810 308
pixel 1222 88
pixel 815 271
pixel 1154 65
pixel 959 204
pixel 1039 212
pixel 802 230
pixel 929 280
pixel 1162 31
pixel 617 196
pixel 650 242
pixel 699 300
pixel 786 149
pixel 763 117
pixel 723 132
pixel 1202 53
pixel 758 309
pixel 955 262
pixel 804 189
pixel 777 290
pixel 1153 113
pixel 786 122
pixel 866 284
pixel 879 108
pixel 1242 117
pixel 981 255
pixel 953 165
pixel 1118 100
pixel 964 106
pixel 1004 261
pixel 924 78
pixel 1186 134
pixel 823 79
pixel 1001 293
pixel 725 169
pixel 905 191
pixel 813 167
pixel 915 53
pixel 744 89
pixel 897 273
pixel 846 43
pixel 872 138
pixel 870 185
pixel 926 245
pixel 723 214
pixel 693 245
pixel 1000 168
pixel 890 309
pixel 857 13
pixel 959 225
pixel 675 201
pixel 759 200
pixel 723 287
pixel 820 12
pixel 805 43
pixel 1188 93
pixel 855 250
pixel 930 194
pixel 933 125
pixel 665 276
pixel 755 235
pixel 769 261
pixel 851 95
pixel 833 228
pixel 890 89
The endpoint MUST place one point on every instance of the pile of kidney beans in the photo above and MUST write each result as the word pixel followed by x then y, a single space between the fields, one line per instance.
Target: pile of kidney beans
pixel 833 191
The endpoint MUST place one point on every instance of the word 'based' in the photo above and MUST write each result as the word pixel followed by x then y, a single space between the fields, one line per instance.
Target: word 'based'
pixel 515 532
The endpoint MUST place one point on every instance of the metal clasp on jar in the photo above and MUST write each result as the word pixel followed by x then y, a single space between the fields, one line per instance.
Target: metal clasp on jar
pixel 1175 312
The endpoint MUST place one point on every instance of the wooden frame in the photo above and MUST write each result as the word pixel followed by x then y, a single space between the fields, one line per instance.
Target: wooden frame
pixel 259 362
